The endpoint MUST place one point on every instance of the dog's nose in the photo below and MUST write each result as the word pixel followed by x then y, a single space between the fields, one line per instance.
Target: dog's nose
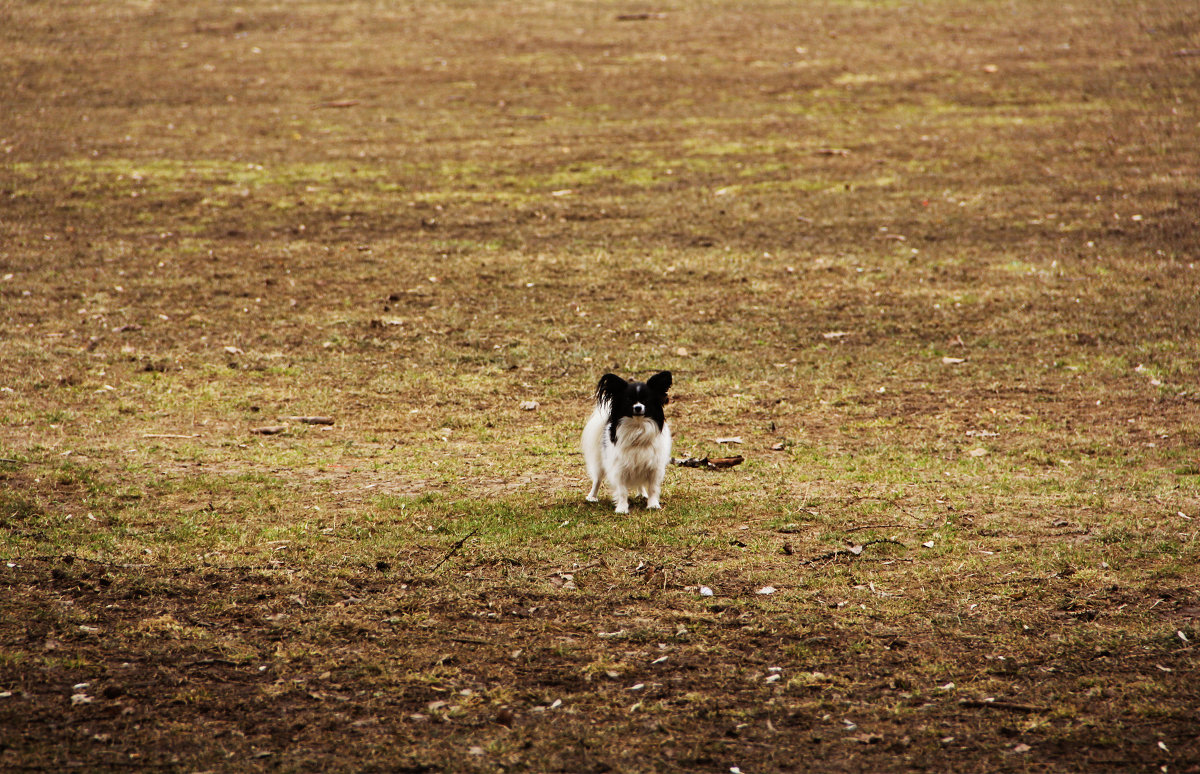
pixel 639 410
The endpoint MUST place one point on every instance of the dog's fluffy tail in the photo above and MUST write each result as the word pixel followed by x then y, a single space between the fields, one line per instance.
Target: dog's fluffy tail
pixel 592 442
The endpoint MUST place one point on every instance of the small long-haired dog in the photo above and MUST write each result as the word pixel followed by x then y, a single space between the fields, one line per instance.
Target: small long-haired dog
pixel 627 441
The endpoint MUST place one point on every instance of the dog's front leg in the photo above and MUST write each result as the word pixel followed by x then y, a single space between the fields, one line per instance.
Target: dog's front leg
pixel 621 499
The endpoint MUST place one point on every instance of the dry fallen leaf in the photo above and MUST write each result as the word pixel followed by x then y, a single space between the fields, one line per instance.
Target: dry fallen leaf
pixel 311 420
pixel 705 462
pixel 947 360
pixel 867 738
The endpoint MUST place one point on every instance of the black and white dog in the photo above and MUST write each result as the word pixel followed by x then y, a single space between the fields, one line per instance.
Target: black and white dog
pixel 627 441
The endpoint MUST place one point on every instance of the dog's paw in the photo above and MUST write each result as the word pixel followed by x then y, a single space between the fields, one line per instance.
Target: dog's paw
pixel 653 505
pixel 623 508
pixel 592 498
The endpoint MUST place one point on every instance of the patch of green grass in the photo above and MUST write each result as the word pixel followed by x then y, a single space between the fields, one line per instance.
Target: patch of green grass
pixel 18 509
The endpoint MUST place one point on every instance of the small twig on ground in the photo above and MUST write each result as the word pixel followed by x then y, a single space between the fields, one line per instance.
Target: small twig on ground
pixel 211 662
pixel 454 549
pixel 69 558
pixel 873 526
pixel 640 16
pixel 847 552
pixel 471 641
pixel 311 420
pixel 892 501
pixel 1011 706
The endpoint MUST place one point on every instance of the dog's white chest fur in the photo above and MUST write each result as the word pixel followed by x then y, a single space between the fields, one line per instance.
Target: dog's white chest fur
pixel 634 464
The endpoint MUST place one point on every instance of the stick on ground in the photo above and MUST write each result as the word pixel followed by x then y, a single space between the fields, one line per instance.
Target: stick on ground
pixel 454 549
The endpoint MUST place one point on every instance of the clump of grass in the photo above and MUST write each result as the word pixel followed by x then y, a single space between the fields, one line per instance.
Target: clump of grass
pixel 18 510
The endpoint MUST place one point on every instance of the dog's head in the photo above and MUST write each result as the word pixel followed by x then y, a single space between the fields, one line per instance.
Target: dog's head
pixel 635 399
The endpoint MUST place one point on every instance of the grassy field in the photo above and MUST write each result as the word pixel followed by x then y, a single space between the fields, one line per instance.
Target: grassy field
pixel 932 263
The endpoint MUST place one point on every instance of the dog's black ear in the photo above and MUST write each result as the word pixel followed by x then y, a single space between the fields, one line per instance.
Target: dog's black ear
pixel 609 388
pixel 660 382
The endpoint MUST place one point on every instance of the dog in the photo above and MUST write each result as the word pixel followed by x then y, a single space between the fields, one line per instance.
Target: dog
pixel 627 441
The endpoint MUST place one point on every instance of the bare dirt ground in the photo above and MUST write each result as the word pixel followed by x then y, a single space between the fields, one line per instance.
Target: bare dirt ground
pixel 932 264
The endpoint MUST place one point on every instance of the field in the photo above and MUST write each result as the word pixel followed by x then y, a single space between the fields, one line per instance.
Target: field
pixel 930 268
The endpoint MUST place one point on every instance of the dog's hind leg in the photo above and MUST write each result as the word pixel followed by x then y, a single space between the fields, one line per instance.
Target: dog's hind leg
pixel 593 452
